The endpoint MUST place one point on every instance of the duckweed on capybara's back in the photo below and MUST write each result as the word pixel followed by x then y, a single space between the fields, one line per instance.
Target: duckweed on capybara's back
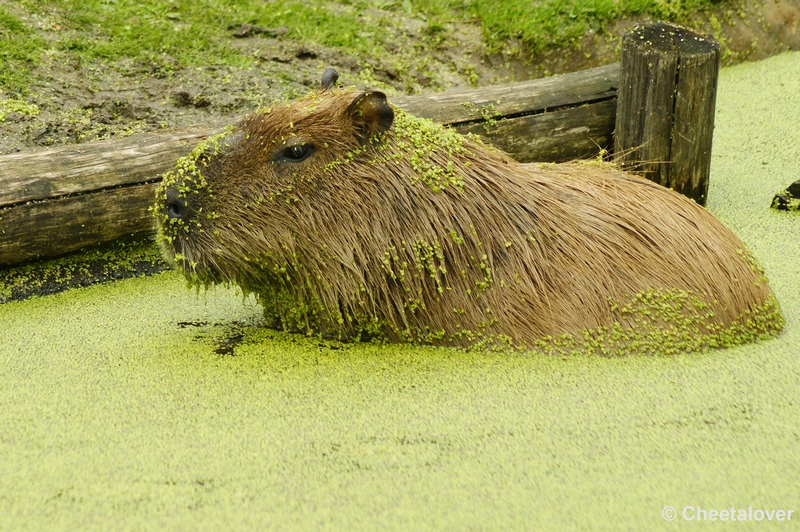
pixel 347 217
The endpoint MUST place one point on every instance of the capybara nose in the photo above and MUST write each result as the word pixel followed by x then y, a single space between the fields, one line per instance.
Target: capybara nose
pixel 176 206
pixel 177 209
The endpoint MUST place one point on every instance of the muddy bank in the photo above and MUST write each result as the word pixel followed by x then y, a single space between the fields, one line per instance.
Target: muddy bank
pixel 73 101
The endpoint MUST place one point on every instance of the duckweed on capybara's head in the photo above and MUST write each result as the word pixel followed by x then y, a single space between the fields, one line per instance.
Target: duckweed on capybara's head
pixel 350 218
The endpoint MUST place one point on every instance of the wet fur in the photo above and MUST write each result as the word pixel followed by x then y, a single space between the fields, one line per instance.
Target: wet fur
pixel 539 250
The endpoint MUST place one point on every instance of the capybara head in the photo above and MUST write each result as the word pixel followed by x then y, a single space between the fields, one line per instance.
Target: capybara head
pixel 347 217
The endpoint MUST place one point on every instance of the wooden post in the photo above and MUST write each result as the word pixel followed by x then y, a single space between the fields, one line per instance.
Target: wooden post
pixel 665 106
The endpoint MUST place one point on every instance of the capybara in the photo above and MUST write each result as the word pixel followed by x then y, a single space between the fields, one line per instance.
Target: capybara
pixel 349 218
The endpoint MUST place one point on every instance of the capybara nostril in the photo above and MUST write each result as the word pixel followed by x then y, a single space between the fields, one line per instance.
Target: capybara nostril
pixel 177 209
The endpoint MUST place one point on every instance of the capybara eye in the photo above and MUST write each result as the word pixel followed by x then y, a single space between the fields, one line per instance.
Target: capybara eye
pixel 295 154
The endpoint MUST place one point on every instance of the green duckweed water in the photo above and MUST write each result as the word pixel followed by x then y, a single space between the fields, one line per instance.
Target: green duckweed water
pixel 121 409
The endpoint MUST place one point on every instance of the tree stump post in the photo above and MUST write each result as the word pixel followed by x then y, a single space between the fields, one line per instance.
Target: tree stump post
pixel 665 107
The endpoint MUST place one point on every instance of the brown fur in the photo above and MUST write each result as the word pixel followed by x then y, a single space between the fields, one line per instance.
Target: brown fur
pixel 515 252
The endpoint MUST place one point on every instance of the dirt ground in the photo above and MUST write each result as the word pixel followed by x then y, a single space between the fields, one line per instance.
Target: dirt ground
pixel 81 102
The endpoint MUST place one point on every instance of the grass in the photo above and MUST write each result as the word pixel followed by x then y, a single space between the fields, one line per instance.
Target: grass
pixel 563 22
pixel 19 52
pixel 179 33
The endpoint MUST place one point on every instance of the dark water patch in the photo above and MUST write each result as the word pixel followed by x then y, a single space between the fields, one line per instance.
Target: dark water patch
pixel 226 346
pixel 184 324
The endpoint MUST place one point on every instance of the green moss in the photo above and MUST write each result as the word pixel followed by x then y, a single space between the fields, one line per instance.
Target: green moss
pixel 18 106
pixel 419 141
pixel 667 322
pixel 117 260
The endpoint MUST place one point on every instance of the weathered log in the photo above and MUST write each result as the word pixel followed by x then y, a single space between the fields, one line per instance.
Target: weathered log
pixel 91 167
pixel 69 223
pixel 573 133
pixel 665 113
pixel 59 200
pixel 515 99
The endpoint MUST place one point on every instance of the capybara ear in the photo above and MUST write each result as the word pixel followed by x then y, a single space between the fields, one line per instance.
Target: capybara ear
pixel 371 115
pixel 329 78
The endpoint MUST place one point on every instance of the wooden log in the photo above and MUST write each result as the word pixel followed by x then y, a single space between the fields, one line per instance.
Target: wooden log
pixel 665 113
pixel 515 99
pixel 49 228
pixel 81 168
pixel 574 133
pixel 59 200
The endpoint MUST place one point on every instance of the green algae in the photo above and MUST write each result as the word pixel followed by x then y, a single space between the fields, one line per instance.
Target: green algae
pixel 117 260
pixel 667 322
pixel 791 205
pixel 786 201
pixel 17 106
pixel 430 148
pixel 487 113
pixel 654 322
pixel 298 430
pixel 418 140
